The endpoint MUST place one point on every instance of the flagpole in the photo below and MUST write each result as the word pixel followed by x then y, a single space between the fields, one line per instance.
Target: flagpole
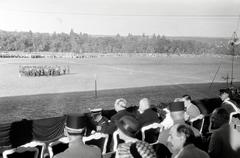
pixel 95 84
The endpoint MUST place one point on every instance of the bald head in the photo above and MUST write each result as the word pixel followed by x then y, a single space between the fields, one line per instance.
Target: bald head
pixel 144 104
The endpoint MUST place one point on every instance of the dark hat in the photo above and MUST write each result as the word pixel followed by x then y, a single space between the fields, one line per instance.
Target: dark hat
pixel 226 90
pixel 176 106
pixel 76 122
pixel 128 125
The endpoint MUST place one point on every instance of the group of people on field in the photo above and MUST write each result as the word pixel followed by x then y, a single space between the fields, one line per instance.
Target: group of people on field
pixel 46 70
pixel 178 137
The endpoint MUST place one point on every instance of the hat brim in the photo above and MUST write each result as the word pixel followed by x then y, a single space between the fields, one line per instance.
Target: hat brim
pixel 72 130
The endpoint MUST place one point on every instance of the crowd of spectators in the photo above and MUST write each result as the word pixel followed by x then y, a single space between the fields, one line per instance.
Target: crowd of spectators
pixel 178 139
pixel 177 136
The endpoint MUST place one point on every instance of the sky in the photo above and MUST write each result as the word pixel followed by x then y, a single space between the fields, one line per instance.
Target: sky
pixel 204 18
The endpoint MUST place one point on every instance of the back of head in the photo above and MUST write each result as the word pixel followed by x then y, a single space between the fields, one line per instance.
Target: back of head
pixel 220 116
pixel 144 104
pixel 120 104
pixel 187 132
pixel 128 125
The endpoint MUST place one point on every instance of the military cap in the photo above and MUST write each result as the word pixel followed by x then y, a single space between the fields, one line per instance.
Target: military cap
pixel 176 106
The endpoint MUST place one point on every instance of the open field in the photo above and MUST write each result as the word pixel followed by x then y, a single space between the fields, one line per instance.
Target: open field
pixel 40 97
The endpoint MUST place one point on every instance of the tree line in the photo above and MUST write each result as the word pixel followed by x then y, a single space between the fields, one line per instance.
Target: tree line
pixel 85 43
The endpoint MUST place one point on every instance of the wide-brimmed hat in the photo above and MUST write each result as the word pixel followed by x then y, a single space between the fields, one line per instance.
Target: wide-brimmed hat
pixel 128 125
pixel 176 106
pixel 75 123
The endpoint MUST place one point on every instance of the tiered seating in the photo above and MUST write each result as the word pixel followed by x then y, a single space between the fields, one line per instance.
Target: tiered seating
pixel 150 133
pixel 58 146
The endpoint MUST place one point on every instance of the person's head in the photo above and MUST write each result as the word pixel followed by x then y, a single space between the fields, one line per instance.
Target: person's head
pixel 75 126
pixel 235 121
pixel 144 104
pixel 224 94
pixel 177 111
pixel 128 127
pixel 120 104
pixel 219 117
pixel 96 114
pixel 187 100
pixel 180 135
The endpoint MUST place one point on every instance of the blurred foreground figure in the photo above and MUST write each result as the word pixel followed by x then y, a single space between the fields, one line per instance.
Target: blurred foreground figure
pixel 181 138
pixel 225 142
pixel 75 129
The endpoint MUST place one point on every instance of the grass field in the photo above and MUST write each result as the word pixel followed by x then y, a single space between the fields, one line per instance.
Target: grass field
pixel 160 79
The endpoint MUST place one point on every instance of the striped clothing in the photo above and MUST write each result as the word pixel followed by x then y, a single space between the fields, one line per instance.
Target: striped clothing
pixel 143 149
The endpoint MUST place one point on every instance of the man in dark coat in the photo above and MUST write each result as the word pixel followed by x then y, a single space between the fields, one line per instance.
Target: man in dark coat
pixel 121 107
pixel 146 114
pixel 75 129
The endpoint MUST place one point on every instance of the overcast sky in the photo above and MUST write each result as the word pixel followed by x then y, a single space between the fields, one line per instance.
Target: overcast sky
pixel 211 18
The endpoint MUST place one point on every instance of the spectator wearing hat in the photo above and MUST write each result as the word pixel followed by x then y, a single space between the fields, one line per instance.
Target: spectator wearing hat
pixel 146 115
pixel 75 129
pixel 192 111
pixel 228 104
pixel 225 141
pixel 100 122
pixel 129 128
pixel 177 114
pixel 181 138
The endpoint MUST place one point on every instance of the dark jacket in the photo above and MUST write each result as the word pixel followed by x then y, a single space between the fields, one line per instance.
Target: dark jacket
pixel 80 150
pixel 148 117
pixel 190 151
pixel 228 106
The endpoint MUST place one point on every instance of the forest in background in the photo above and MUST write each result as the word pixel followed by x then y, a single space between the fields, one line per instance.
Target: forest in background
pixel 85 43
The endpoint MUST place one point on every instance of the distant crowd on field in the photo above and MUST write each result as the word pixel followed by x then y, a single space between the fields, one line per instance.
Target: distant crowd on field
pixel 180 130
pixel 45 70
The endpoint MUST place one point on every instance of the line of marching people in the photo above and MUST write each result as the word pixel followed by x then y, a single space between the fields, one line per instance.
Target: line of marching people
pixel 178 137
